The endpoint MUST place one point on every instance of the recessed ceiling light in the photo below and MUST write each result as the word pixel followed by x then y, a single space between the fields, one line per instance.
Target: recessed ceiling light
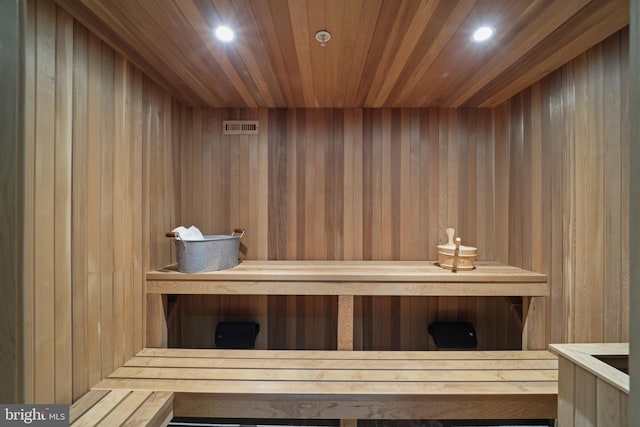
pixel 224 33
pixel 482 34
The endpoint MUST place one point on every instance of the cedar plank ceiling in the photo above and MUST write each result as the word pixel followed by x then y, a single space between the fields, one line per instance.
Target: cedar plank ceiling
pixel 383 53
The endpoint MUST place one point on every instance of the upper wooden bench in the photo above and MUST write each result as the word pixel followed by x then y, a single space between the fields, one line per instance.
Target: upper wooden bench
pixel 377 278
pixel 347 385
pixel 347 279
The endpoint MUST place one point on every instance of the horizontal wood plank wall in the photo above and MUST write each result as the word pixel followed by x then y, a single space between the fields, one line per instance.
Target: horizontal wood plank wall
pixel 379 184
pixel 561 156
pixel 100 188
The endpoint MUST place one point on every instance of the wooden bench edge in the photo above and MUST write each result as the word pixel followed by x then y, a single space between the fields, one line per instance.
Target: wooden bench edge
pixel 431 407
pixel 123 407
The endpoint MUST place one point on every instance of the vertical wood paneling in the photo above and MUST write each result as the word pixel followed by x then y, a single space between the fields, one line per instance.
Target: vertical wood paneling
pixel 29 202
pixel 585 399
pixel 111 162
pixel 430 156
pixel 62 210
pixel 553 176
pixel 633 190
pixel 12 93
pixel 502 166
pixel 612 405
pixel 585 403
pixel 350 184
pixel 627 212
pixel 12 146
pixel 343 184
pixel 121 205
pixel 105 227
pixel 42 260
pixel 568 231
pixel 567 204
pixel 392 323
pixel 99 193
pixel 261 247
pixel 614 194
pixel 79 210
pixel 536 182
pixel 94 303
pixel 566 391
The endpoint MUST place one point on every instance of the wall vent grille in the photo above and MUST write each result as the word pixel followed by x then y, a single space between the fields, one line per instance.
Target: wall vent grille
pixel 240 127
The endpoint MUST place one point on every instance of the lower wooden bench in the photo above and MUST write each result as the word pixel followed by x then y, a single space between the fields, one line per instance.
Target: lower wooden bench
pixel 121 407
pixel 347 384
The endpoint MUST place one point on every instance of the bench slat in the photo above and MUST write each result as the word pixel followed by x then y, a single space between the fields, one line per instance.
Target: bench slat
pixel 125 409
pixel 122 407
pixel 328 272
pixel 85 403
pixel 344 389
pixel 346 355
pixel 287 374
pixel 275 363
pixel 102 408
pixel 157 410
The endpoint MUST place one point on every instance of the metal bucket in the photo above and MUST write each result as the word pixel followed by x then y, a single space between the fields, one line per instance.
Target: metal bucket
pixel 215 252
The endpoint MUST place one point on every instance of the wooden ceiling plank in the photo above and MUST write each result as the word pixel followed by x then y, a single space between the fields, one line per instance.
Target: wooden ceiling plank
pixel 537 28
pixel 342 57
pixel 317 21
pixel 130 14
pixel 434 47
pixel 395 35
pixel 242 84
pixel 116 37
pixel 299 13
pixel 590 26
pixel 422 15
pixel 461 56
pixel 176 29
pixel 354 62
pixel 278 33
pixel 153 25
pixel 384 23
pixel 252 50
pixel 335 23
pixel 202 28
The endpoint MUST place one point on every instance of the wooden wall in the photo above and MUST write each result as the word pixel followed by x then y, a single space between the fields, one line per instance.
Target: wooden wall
pixel 538 182
pixel 112 161
pixel 99 194
pixel 11 206
pixel 372 184
pixel 634 212
pixel 562 150
pixel 343 183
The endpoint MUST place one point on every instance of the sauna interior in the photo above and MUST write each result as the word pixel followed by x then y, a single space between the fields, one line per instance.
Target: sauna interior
pixel 368 149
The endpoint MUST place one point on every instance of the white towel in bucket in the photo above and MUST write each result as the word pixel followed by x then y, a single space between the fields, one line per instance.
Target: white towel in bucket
pixel 191 233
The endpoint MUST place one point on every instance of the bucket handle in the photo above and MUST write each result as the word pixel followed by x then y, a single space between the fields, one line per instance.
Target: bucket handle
pixel 176 235
pixel 456 254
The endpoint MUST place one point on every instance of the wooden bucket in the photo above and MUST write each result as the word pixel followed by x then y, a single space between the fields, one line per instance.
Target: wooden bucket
pixel 453 256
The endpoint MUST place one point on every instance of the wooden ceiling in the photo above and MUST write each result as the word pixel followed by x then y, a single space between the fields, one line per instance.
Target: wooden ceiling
pixel 383 53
